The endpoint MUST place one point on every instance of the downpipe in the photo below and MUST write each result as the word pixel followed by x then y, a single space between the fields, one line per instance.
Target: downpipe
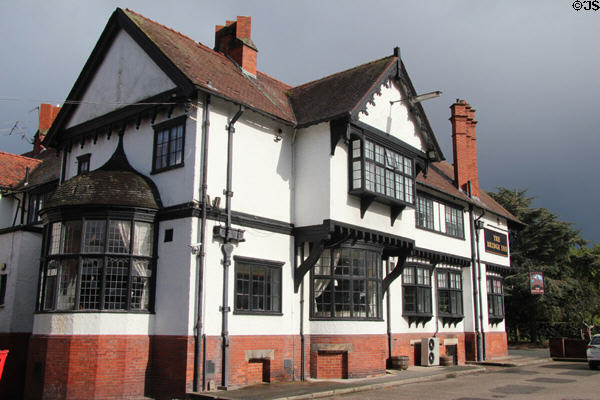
pixel 474 273
pixel 200 339
pixel 227 249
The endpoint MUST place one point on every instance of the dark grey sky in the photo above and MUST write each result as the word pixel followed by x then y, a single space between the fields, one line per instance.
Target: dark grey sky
pixel 530 68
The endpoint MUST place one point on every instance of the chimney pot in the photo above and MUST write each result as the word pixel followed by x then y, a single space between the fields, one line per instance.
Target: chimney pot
pixel 234 40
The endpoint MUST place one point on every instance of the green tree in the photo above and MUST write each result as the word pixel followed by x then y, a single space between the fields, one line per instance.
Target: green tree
pixel 571 274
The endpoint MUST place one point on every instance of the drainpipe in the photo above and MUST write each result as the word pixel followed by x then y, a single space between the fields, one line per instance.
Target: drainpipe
pixel 227 249
pixel 388 317
pixel 475 273
pixel 302 340
pixel 479 285
pixel 200 340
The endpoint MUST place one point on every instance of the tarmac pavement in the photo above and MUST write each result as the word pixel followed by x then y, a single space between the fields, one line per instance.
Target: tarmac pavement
pixel 318 388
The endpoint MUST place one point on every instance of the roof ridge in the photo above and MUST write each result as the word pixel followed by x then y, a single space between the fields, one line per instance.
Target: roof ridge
pixel 20 156
pixel 199 44
pixel 340 72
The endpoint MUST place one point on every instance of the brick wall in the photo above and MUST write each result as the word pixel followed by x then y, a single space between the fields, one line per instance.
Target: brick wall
pixel 87 366
pixel 496 345
pixel 172 366
pixel 365 354
pixel 13 377
pixel 401 345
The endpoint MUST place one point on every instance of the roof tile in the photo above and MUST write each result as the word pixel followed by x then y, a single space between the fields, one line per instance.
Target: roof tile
pixel 13 169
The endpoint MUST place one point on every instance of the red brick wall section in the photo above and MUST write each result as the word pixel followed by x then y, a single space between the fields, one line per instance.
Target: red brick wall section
pixel 172 366
pixel 401 345
pixel 330 365
pixel 12 382
pixel 366 358
pixel 87 367
pixel 496 345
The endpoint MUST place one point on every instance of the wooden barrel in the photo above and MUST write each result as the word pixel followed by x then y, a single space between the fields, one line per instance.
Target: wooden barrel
pixel 399 362
pixel 446 360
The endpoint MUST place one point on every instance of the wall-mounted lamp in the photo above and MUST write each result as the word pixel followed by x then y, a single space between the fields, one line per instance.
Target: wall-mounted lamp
pixel 419 98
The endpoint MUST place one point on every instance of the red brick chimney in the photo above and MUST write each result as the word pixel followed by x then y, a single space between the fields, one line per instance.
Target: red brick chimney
pixel 47 114
pixel 464 146
pixel 234 40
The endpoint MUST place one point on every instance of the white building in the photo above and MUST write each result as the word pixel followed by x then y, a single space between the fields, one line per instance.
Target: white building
pixel 217 227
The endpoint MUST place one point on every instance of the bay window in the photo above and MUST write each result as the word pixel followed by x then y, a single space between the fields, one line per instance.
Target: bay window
pixel 98 264
pixel 381 171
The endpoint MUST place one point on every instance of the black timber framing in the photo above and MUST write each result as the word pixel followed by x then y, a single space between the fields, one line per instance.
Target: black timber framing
pixel 500 269
pixel 332 233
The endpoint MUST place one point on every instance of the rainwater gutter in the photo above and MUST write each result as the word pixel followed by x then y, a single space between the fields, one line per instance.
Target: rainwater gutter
pixel 227 249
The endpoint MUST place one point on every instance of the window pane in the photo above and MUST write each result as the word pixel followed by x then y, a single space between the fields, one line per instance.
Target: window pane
pixel 342 298
pixel 379 154
pixel 369 150
pixel 91 278
pixel 94 236
pixel 399 186
pixel 410 299
pixel 143 239
pixel 242 284
pixel 408 190
pixel 379 179
pixel 257 285
pixel 322 297
pixel 442 280
pixel 72 237
pixel 323 264
pixel 408 275
pixel 50 285
pixel 140 285
pixel 356 174
pixel 408 166
pixel 355 148
pixel 67 285
pixel 389 183
pixel 119 233
pixel 55 235
pixel 370 176
pixel 115 292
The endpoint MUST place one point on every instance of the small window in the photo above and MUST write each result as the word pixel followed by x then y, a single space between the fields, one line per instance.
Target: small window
pixel 495 298
pixel 449 284
pixel 168 145
pixel 36 203
pixel 257 286
pixel 83 164
pixel 454 222
pixel 424 212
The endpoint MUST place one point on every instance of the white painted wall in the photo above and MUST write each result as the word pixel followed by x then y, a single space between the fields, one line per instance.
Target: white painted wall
pixel 20 251
pixel 393 119
pixel 175 186
pixel 92 324
pixel 8 207
pixel 259 244
pixel 313 175
pixel 126 75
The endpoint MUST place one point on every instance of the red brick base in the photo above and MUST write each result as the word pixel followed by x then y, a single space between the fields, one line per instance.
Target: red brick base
pixel 496 345
pixel 401 345
pixel 13 377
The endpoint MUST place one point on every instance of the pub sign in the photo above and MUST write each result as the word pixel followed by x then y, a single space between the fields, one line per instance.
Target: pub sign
pixel 536 280
pixel 495 242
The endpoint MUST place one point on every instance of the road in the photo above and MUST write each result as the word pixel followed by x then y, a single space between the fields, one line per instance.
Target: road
pixel 553 380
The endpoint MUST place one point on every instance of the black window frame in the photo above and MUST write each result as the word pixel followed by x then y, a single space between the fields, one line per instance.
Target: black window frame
pixel 455 295
pixel 457 233
pixel 169 126
pixel 425 217
pixel 35 203
pixel 421 290
pixel 140 273
pixel 83 163
pixel 274 267
pixel 359 160
pixel 495 296
pixel 336 275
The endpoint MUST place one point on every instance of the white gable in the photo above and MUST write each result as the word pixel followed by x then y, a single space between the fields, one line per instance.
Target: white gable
pixel 395 118
pixel 126 75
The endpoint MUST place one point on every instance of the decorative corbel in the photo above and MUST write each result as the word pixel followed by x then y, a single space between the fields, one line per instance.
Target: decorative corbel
pixel 396 272
pixel 316 250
